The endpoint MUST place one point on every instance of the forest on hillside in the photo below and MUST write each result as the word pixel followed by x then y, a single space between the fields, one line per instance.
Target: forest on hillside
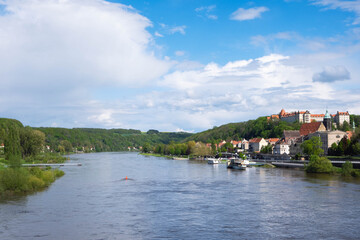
pixel 107 139
pixel 260 127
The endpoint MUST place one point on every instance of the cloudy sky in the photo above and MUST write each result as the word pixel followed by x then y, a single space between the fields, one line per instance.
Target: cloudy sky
pixel 175 65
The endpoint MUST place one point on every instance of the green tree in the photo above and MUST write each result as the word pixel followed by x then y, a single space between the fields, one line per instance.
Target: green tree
pixel 12 146
pixel 200 149
pixel 312 147
pixel 67 145
pixel 319 164
pixel 31 141
pixel 146 148
pixel 347 168
pixel 267 149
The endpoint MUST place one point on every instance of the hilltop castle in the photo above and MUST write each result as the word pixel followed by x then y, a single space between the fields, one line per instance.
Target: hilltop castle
pixel 306 117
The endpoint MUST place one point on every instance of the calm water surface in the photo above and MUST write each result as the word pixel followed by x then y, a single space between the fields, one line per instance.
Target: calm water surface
pixel 170 199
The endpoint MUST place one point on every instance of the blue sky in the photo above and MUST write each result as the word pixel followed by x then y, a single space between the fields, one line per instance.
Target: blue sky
pixel 175 65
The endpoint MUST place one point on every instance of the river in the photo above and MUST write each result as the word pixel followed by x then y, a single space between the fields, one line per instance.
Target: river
pixel 174 199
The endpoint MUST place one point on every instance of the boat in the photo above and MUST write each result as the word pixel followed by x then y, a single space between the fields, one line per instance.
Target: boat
pixel 236 163
pixel 213 161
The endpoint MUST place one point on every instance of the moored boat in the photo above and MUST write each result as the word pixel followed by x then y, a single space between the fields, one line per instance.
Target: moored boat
pixel 213 161
pixel 240 164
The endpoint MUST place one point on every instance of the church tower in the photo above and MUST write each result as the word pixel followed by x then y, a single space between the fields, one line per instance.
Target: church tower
pixel 327 121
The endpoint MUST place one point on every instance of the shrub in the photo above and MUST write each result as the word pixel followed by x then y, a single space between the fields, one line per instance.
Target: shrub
pixel 58 173
pixel 347 169
pixel 36 171
pixel 48 177
pixel 319 165
pixel 14 179
pixel 35 183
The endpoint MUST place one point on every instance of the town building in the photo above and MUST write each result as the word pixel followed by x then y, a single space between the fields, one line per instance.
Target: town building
pixel 281 148
pixel 308 128
pixel 272 141
pixel 255 144
pixel 306 117
pixel 328 138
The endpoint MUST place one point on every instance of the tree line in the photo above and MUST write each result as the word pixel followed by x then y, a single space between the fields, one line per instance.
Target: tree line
pixel 260 127
pixel 105 140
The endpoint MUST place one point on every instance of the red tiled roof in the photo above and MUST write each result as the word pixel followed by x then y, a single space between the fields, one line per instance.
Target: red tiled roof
pixel 255 140
pixel 273 139
pixel 308 128
pixel 349 134
pixel 343 113
pixel 317 115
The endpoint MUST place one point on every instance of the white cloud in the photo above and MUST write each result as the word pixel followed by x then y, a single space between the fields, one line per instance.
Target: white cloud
pixel 69 44
pixel 55 54
pixel 248 14
pixel 157 34
pixel 179 53
pixel 206 12
pixel 173 29
pixel 178 29
pixel 332 74
pixel 350 6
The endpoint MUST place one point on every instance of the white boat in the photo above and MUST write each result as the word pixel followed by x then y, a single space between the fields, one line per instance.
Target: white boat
pixel 239 164
pixel 213 161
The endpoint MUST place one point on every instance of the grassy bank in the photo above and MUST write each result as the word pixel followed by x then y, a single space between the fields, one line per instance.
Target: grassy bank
pixel 155 155
pixel 26 180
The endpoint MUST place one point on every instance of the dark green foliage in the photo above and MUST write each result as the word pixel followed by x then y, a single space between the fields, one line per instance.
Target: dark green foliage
pixel 106 139
pixel 12 146
pixel 312 147
pixel 319 165
pixel 260 127
pixel 152 131
pixel 31 141
pixel 346 146
pixel 347 168
pixel 267 149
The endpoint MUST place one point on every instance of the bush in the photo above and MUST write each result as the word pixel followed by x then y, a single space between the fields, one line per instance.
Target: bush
pixel 14 179
pixel 319 165
pixel 347 169
pixel 58 173
pixel 35 183
pixel 20 180
pixel 48 177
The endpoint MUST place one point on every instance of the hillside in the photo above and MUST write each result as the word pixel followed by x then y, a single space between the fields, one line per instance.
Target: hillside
pixel 260 127
pixel 107 139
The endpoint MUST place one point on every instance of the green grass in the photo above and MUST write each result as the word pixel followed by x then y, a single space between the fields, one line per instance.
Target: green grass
pixel 155 155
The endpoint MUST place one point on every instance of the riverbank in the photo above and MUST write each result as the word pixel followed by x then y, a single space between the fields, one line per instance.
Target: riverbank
pixel 21 180
pixel 15 181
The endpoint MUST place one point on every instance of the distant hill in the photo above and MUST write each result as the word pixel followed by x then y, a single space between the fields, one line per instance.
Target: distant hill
pixel 260 127
pixel 107 139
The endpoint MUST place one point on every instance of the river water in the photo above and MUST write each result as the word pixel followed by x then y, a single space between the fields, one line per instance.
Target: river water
pixel 172 199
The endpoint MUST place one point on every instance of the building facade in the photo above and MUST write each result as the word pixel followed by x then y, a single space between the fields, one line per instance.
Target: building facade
pixel 306 117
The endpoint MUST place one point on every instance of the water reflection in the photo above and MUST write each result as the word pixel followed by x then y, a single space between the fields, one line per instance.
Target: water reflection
pixel 182 200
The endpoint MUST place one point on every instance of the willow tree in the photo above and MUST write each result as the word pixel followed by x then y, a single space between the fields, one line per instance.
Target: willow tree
pixel 12 146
